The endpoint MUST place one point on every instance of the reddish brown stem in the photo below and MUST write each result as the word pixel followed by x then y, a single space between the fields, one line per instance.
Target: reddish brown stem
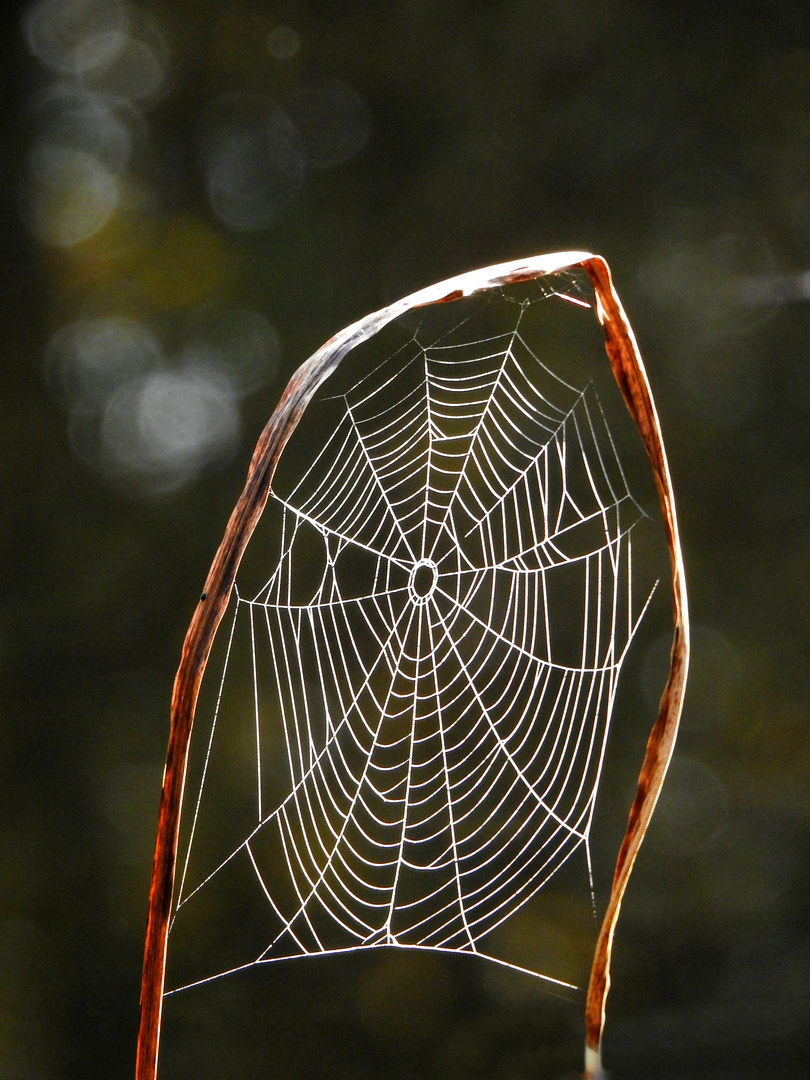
pixel 196 649
pixel 631 377
pixel 628 368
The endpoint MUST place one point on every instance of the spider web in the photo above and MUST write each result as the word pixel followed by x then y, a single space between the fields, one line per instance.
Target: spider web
pixel 438 646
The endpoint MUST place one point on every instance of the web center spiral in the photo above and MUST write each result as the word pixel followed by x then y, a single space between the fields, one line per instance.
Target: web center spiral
pixel 422 581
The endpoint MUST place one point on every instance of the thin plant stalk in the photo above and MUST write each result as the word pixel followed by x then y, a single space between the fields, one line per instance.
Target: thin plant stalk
pixel 628 369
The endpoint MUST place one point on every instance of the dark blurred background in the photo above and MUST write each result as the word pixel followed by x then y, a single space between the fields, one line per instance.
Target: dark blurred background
pixel 195 196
